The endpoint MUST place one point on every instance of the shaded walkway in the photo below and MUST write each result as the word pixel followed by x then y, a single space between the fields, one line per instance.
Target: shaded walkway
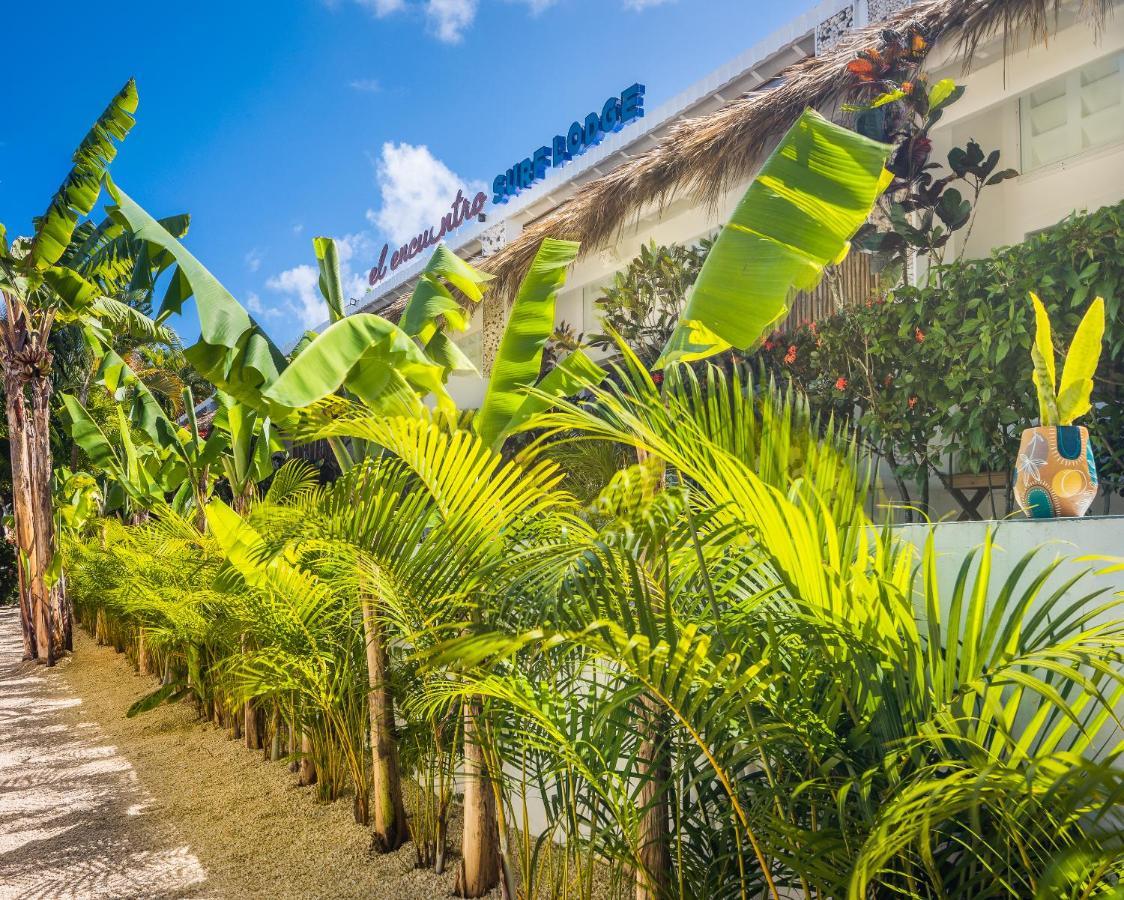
pixel 74 820
pixel 94 805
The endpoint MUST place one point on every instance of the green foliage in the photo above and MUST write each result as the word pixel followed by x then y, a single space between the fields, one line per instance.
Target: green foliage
pixel 77 195
pixel 919 212
pixel 798 216
pixel 875 361
pixel 644 302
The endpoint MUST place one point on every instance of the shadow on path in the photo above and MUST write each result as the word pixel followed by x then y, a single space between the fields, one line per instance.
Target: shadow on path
pixel 74 818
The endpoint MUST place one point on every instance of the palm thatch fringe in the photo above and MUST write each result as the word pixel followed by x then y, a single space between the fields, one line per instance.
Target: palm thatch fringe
pixel 705 156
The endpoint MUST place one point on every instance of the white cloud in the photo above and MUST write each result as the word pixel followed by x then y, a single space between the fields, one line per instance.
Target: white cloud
pixel 298 227
pixel 253 259
pixel 258 308
pixel 383 7
pixel 450 18
pixel 357 248
pixel 299 287
pixel 365 85
pixel 416 189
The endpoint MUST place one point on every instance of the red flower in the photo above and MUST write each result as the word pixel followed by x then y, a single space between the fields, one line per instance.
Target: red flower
pixel 888 380
pixel 907 87
pixel 912 402
pixel 657 377
pixel 769 345
pixel 841 383
pixel 919 335
pixel 790 357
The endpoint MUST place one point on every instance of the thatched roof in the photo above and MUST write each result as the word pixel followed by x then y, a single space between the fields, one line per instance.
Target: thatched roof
pixel 704 156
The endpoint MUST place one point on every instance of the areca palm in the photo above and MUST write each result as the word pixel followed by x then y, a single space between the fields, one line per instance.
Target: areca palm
pixel 868 729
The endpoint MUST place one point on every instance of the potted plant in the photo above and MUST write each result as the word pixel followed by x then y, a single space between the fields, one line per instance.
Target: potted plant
pixel 1055 471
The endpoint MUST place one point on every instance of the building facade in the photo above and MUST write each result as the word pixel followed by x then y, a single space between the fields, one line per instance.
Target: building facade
pixel 1053 108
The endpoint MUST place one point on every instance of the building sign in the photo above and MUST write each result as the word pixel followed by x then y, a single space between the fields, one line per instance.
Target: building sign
pixel 615 113
pixel 462 210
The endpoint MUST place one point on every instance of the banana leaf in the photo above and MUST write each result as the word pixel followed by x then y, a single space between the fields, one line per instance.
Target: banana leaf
pixel 361 353
pixel 797 217
pixel 79 191
pixel 331 285
pixel 530 325
pixel 233 352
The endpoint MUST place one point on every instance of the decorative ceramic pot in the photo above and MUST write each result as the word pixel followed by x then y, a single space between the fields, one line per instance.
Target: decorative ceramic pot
pixel 1055 472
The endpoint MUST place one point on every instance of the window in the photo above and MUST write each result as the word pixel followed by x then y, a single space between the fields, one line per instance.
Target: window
pixel 1079 111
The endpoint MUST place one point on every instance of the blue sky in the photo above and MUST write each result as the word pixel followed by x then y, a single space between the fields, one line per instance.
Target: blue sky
pixel 274 122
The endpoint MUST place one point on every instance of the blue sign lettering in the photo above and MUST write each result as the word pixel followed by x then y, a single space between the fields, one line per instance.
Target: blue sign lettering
pixel 581 135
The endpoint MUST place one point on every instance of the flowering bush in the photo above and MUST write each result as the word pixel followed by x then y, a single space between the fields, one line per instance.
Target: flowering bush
pixel 936 377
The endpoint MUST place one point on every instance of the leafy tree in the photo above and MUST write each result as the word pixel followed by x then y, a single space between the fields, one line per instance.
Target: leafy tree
pixel 874 362
pixel 644 302
pixel 41 288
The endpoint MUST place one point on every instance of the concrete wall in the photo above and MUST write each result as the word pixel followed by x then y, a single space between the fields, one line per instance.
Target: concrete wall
pixel 1098 537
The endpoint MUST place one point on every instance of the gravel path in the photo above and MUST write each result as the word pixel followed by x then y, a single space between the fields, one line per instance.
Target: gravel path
pixel 75 820
pixel 94 805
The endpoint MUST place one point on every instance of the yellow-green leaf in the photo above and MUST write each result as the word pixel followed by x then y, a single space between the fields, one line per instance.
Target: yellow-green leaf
pixel 1042 355
pixel 798 215
pixel 1081 364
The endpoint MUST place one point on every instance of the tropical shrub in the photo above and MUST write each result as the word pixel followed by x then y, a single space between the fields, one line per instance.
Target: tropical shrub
pixel 874 363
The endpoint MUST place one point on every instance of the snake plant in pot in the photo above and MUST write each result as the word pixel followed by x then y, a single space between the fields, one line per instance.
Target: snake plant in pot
pixel 1056 474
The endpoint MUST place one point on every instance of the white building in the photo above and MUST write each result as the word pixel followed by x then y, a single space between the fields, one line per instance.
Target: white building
pixel 1054 108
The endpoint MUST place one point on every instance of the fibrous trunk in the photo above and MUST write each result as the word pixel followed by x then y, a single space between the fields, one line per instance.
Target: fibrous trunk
pixel 480 850
pixel 43 610
pixel 306 771
pixel 389 810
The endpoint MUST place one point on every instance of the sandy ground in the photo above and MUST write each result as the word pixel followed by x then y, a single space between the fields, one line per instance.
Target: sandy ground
pixel 95 805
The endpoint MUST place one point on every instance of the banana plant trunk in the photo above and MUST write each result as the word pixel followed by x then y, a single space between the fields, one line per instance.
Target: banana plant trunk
pixel 480 845
pixel 43 611
pixel 389 810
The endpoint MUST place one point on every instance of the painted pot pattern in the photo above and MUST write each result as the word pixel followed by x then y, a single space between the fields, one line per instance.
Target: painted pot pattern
pixel 1055 472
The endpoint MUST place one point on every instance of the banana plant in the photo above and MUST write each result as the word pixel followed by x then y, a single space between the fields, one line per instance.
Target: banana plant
pixel 138 477
pixel 41 288
pixel 248 458
pixel 797 217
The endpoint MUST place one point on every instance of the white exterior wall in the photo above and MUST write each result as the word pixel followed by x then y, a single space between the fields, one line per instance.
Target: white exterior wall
pixel 988 113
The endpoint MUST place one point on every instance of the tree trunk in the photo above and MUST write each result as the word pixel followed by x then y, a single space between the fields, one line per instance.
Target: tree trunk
pixel 480 847
pixel 144 659
pixel 306 773
pixel 46 622
pixel 54 615
pixel 389 810
pixel 16 409
pixel 654 837
pixel 250 727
